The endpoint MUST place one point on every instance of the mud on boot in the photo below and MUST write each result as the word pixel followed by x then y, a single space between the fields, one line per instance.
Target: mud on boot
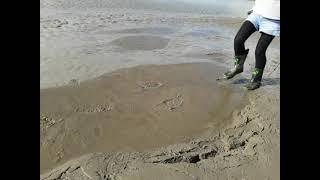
pixel 238 66
pixel 255 81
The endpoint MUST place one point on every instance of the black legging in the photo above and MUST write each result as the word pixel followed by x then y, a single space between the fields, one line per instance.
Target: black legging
pixel 243 34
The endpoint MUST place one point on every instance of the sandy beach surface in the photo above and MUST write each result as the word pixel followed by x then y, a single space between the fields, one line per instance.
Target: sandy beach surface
pixel 129 92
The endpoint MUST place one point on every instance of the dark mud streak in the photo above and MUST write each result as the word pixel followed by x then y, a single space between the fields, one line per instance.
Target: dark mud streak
pixel 188 158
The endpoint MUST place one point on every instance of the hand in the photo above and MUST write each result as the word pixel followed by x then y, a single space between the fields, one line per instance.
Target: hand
pixel 249 12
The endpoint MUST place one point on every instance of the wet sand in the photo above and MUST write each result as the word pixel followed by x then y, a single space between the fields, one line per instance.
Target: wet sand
pixel 141 42
pixel 134 109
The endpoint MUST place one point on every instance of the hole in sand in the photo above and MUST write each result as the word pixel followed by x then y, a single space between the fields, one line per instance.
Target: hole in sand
pixel 141 42
pixel 115 113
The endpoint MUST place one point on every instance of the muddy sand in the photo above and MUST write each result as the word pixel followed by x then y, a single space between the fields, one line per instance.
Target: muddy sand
pixel 158 122
pixel 133 109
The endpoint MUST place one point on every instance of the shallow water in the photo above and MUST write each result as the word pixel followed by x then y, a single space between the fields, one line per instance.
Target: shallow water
pixel 83 56
pixel 235 8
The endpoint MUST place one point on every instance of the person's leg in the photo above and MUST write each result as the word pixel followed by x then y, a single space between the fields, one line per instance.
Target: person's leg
pixel 260 52
pixel 246 29
pixel 260 55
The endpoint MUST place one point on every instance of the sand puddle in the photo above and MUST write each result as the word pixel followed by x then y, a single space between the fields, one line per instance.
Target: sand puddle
pixel 141 42
pixel 133 109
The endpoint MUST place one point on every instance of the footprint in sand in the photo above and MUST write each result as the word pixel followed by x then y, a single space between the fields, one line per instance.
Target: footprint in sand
pixel 149 85
pixel 74 82
pixel 172 104
pixel 47 122
pixel 94 109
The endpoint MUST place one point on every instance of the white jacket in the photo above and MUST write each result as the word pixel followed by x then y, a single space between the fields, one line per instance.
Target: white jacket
pixel 267 8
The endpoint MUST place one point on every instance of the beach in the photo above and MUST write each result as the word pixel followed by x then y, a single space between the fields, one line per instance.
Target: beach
pixel 128 91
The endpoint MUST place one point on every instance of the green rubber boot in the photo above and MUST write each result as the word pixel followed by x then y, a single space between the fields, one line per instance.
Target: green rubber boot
pixel 238 66
pixel 255 81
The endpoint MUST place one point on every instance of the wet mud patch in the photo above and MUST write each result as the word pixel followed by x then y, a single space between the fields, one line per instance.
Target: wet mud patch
pixel 134 109
pixel 143 42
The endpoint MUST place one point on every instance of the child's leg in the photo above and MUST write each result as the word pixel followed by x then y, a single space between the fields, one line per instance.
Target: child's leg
pixel 261 60
pixel 245 31
pixel 243 34
pixel 260 53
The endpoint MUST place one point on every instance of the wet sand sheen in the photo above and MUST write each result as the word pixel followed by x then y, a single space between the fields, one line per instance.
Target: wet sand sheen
pixel 141 42
pixel 133 109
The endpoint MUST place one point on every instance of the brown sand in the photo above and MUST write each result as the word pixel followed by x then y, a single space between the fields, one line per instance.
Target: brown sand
pixel 133 110
pixel 248 148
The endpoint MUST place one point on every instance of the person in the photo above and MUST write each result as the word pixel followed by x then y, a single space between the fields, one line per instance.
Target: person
pixel 265 18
